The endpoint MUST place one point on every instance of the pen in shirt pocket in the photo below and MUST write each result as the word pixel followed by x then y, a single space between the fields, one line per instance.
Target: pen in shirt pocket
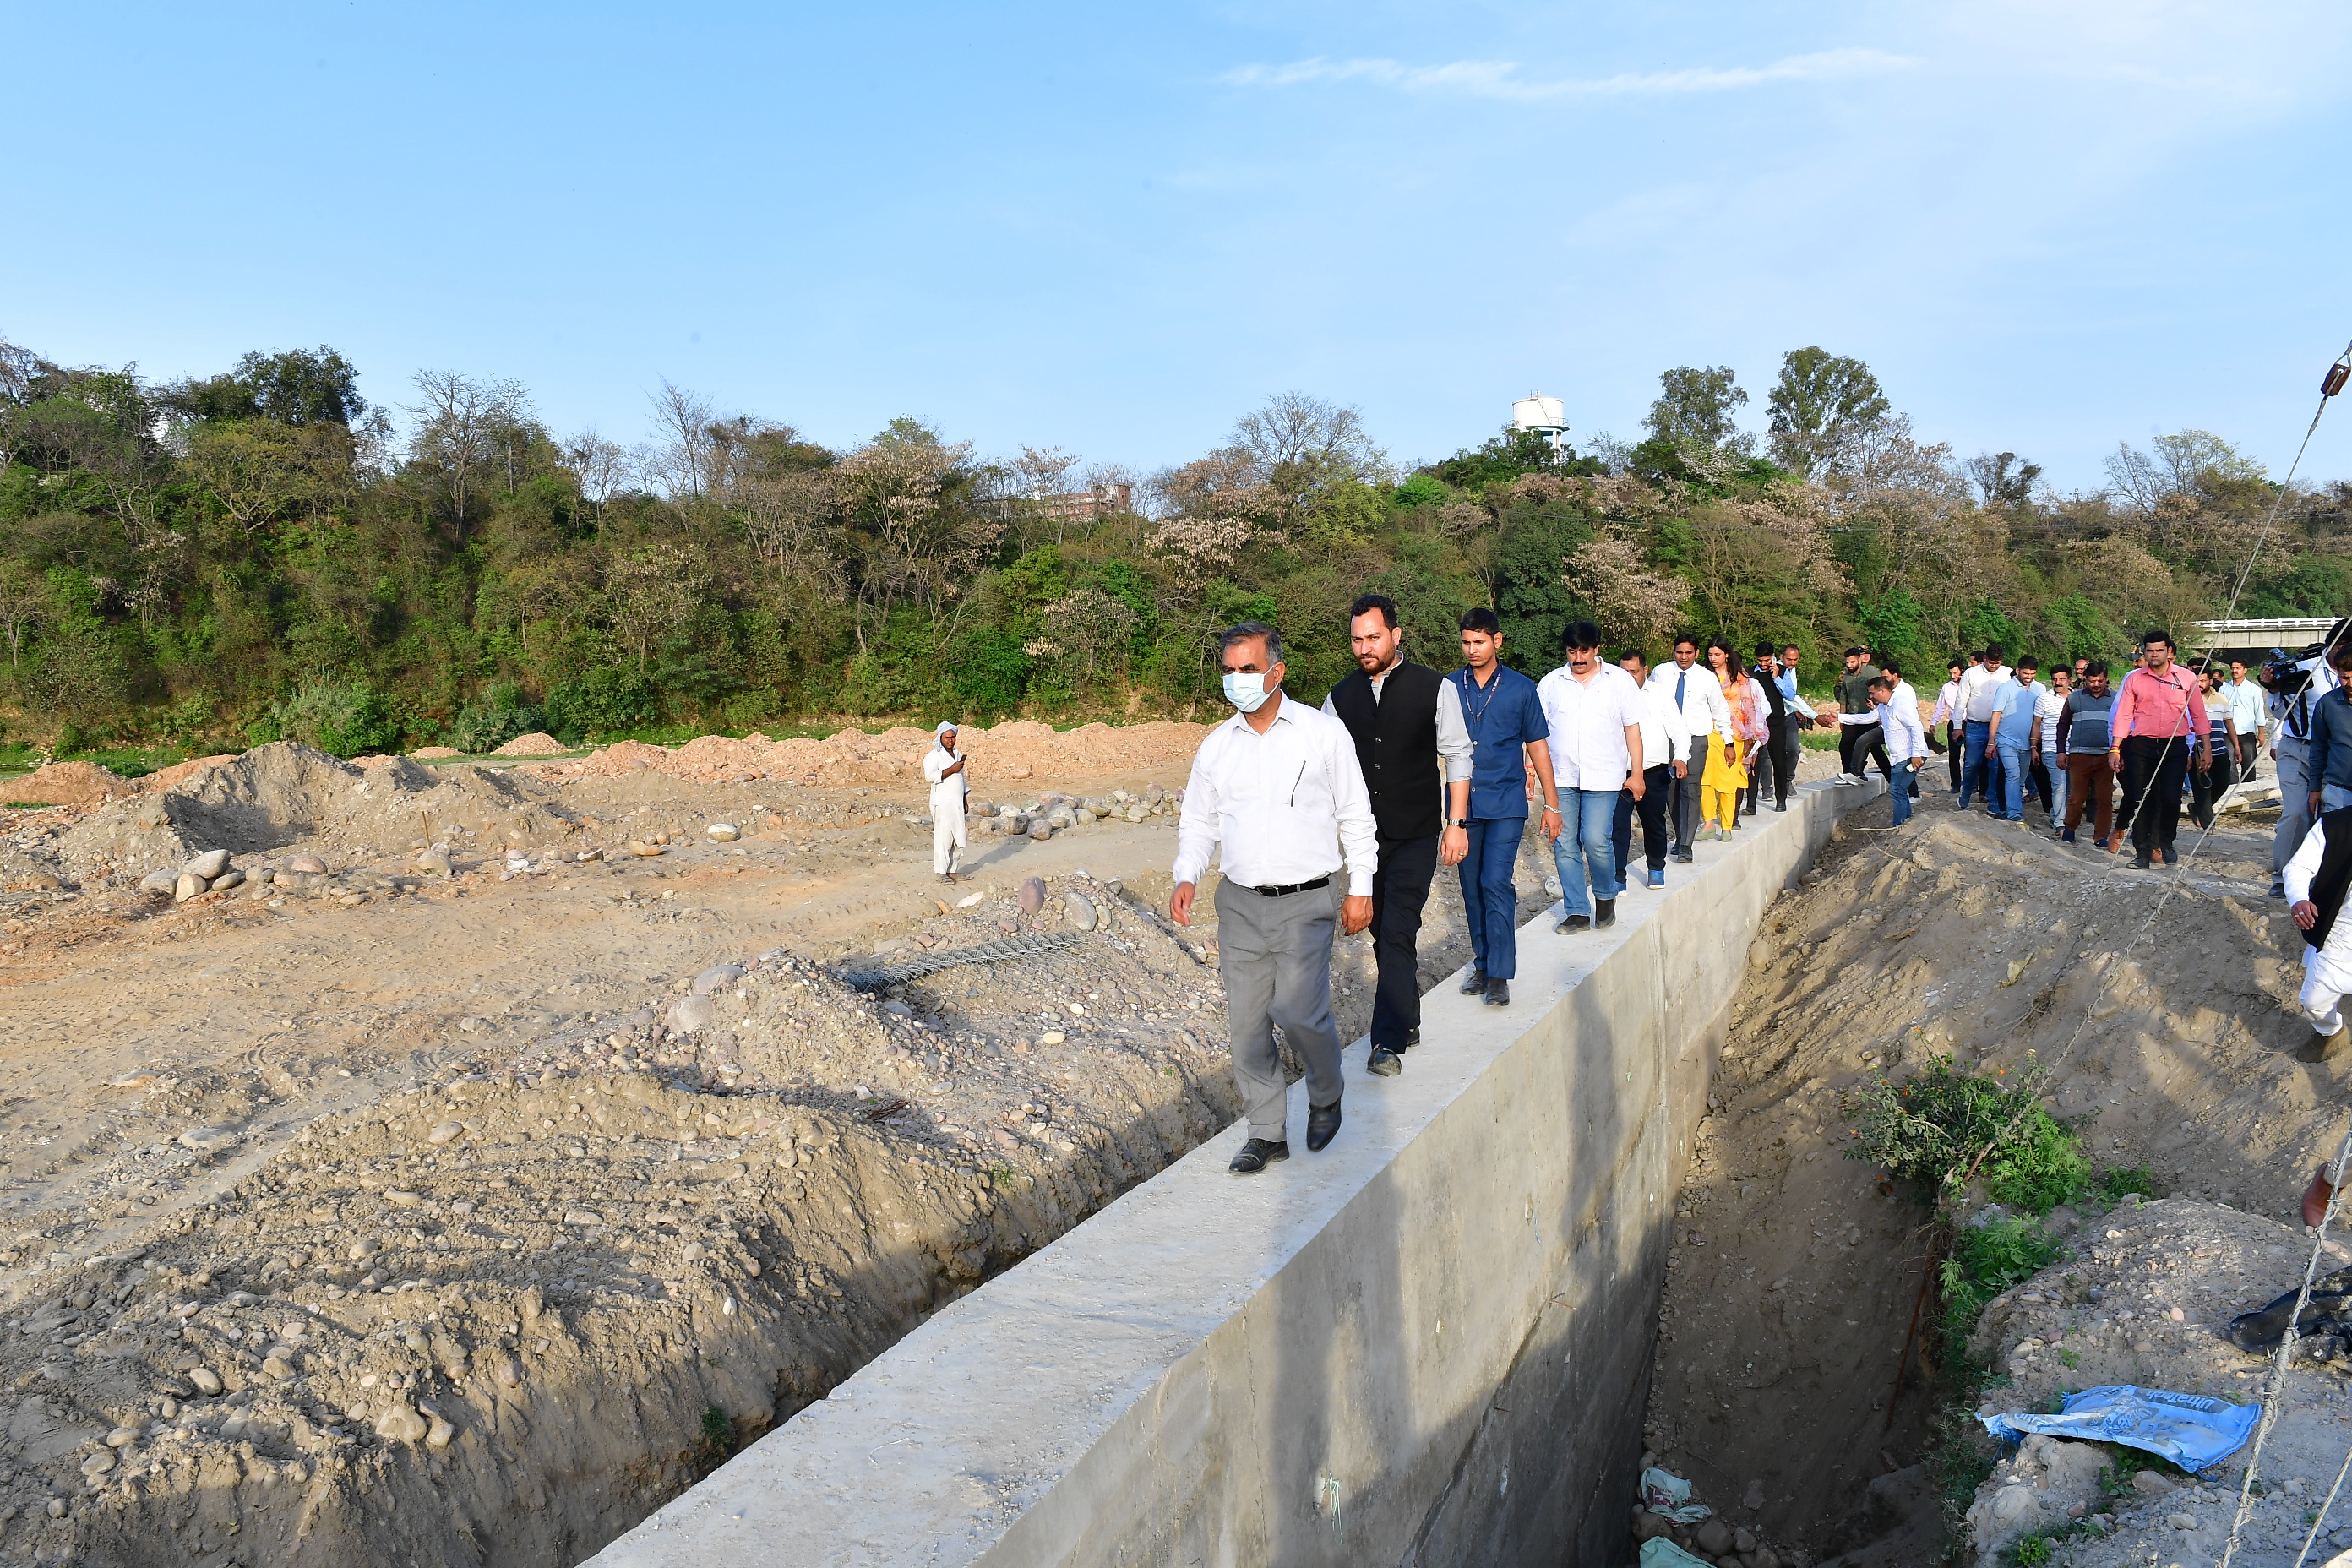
pixel 1296 782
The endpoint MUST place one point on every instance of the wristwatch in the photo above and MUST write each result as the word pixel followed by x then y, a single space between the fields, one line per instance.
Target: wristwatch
pixel 1457 822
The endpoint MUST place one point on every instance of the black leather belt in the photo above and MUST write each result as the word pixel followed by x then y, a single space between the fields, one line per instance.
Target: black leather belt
pixel 1293 888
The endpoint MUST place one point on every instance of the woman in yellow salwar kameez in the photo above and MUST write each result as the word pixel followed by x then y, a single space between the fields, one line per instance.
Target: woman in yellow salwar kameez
pixel 1725 778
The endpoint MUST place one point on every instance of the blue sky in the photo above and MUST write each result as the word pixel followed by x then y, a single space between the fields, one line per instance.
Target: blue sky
pixel 2048 228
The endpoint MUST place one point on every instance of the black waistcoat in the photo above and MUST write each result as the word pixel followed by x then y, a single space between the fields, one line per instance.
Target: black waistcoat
pixel 2335 874
pixel 1396 741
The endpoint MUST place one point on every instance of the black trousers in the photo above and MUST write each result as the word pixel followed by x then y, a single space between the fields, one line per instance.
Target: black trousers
pixel 1400 889
pixel 2037 779
pixel 1683 804
pixel 1955 750
pixel 2207 787
pixel 2249 747
pixel 1855 741
pixel 1657 783
pixel 2153 771
pixel 1775 763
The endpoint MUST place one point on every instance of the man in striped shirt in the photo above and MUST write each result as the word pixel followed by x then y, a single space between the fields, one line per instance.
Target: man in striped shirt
pixel 2156 733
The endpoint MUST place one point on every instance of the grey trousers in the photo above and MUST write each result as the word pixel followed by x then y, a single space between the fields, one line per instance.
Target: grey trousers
pixel 2292 761
pixel 1274 955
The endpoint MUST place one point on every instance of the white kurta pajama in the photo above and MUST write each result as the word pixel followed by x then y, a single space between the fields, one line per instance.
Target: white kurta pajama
pixel 947 807
pixel 2326 968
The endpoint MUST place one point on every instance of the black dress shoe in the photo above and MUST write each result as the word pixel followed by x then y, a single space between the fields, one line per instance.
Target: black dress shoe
pixel 1604 912
pixel 1783 805
pixel 1684 855
pixel 1572 923
pixel 1385 1062
pixel 1322 1126
pixel 1257 1154
pixel 2140 861
pixel 1499 994
pixel 1476 984
pixel 1412 1039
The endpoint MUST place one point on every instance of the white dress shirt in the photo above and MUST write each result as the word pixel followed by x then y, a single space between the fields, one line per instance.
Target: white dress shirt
pixel 1454 743
pixel 1662 742
pixel 1948 703
pixel 1702 707
pixel 2333 959
pixel 2046 709
pixel 1284 806
pixel 1899 726
pixel 1979 686
pixel 1588 719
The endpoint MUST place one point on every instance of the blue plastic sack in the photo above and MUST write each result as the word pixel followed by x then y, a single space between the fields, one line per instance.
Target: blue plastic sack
pixel 2193 1430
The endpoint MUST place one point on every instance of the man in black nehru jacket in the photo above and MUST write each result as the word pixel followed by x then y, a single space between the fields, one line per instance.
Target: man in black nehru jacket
pixel 1405 718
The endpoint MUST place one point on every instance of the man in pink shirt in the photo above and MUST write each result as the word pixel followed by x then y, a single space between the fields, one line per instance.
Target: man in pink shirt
pixel 2157 726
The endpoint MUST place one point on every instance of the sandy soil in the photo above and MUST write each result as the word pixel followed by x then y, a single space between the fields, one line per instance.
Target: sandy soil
pixel 1796 1272
pixel 369 1214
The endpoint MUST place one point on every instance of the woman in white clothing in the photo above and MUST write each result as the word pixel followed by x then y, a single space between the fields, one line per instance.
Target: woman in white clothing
pixel 944 770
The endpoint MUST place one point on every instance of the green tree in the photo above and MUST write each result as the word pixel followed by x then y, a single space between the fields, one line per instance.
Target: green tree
pixel 1822 402
pixel 1694 407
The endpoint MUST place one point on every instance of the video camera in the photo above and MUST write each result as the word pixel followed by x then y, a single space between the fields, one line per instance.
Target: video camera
pixel 2286 676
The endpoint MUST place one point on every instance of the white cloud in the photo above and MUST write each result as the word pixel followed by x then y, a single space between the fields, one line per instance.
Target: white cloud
pixel 1501 79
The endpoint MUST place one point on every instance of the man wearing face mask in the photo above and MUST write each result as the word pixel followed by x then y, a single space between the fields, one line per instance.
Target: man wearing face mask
pixel 1278 790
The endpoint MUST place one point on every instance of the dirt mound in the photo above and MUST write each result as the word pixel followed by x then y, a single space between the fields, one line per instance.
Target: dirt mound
pixel 1795 1271
pixel 179 774
pixel 1024 749
pixel 430 754
pixel 66 784
pixel 538 743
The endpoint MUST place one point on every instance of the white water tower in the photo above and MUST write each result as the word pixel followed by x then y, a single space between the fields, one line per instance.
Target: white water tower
pixel 1547 416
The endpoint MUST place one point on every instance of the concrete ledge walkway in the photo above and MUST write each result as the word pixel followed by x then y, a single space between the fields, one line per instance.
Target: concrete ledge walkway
pixel 1429 1343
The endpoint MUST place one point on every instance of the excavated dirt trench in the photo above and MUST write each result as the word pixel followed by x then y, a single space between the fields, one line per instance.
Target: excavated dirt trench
pixel 1795 1271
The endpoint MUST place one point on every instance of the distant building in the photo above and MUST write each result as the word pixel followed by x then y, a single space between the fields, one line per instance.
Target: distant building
pixel 1086 505
pixel 1545 416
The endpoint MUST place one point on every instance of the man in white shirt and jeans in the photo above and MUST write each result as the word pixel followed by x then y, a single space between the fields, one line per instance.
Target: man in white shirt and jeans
pixel 1278 788
pixel 1979 685
pixel 1595 713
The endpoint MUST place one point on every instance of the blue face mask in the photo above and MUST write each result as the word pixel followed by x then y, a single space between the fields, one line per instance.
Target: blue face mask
pixel 1246 692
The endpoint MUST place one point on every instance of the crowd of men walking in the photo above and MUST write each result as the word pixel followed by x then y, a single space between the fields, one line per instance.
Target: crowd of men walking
pixel 1404 770
pixel 1338 819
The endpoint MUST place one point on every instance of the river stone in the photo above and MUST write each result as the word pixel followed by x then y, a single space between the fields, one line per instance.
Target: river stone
pixel 434 863
pixel 277 1367
pixel 722 833
pixel 1052 1037
pixel 638 847
pixel 1032 894
pixel 1041 830
pixel 691 1015
pixel 401 1425
pixel 308 865
pixel 186 886
pixel 206 1379
pixel 210 1140
pixel 122 1437
pixel 228 880
pixel 159 881
pixel 440 1434
pixel 1080 910
pixel 509 1375
pixel 208 864
pixel 444 1131
pixel 717 977
pixel 97 1464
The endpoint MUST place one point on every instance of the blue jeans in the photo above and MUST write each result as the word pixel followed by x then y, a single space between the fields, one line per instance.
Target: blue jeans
pixel 1588 821
pixel 1981 761
pixel 1899 790
pixel 2010 804
pixel 1489 903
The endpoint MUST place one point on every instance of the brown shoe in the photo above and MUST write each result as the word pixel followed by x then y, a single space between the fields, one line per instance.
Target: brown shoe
pixel 2316 1197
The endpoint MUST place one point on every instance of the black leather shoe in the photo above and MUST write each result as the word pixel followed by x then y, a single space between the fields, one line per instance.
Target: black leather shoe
pixel 1476 984
pixel 1322 1126
pixel 1783 805
pixel 2140 861
pixel 1604 912
pixel 1411 1037
pixel 1385 1062
pixel 1257 1154
pixel 1572 923
pixel 1499 994
pixel 1684 855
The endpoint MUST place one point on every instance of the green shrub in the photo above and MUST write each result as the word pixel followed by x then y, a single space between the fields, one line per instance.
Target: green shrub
pixel 602 701
pixel 1945 1127
pixel 343 719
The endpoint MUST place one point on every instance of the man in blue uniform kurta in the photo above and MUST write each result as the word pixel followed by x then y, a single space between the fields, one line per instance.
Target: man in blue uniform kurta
pixel 1506 725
